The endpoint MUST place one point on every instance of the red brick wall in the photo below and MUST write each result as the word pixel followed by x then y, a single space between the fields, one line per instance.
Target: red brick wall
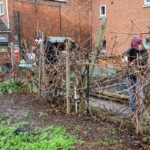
pixel 119 16
pixel 74 22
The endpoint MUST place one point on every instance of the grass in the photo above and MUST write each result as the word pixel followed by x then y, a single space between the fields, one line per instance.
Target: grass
pixel 50 138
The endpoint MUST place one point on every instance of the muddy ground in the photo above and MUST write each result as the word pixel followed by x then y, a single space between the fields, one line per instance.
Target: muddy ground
pixel 35 112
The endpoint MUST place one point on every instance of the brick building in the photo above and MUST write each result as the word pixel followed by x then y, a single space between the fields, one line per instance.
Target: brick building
pixel 4 32
pixel 123 18
pixel 78 19
pixel 53 17
pixel 4 18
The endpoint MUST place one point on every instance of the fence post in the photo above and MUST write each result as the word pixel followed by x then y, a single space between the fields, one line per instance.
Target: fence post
pixel 97 46
pixel 88 90
pixel 12 55
pixel 43 58
pixel 40 64
pixel 12 60
pixel 68 76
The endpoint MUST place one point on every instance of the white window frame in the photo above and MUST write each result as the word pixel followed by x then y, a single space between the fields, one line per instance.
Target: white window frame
pixel 146 3
pixel 146 44
pixel 1 3
pixel 102 15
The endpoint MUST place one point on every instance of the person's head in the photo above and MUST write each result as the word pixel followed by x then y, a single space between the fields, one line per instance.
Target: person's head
pixel 137 43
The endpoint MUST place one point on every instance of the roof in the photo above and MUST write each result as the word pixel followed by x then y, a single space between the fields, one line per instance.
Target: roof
pixel 3 26
pixel 57 39
pixel 3 40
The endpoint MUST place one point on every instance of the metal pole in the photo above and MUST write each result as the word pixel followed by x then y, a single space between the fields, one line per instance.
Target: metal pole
pixel 88 90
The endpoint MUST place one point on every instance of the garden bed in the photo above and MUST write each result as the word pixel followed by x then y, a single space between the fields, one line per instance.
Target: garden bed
pixel 37 113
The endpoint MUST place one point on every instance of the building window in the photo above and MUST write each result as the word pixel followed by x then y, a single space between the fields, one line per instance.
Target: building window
pixel 146 2
pixel 146 43
pixel 1 8
pixel 103 11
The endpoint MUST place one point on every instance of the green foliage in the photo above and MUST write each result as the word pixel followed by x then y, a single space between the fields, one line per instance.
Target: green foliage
pixel 11 86
pixel 107 142
pixel 51 138
pixel 92 107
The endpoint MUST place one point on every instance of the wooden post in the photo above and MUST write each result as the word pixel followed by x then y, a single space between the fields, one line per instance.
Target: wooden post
pixel 40 64
pixel 68 76
pixel 43 58
pixel 97 46
pixel 12 60
pixel 12 55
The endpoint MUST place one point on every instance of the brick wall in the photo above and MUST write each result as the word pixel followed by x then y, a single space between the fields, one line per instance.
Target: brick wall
pixel 53 18
pixel 122 16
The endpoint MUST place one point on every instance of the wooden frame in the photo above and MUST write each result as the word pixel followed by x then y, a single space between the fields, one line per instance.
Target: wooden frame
pixel 146 2
pixel 2 13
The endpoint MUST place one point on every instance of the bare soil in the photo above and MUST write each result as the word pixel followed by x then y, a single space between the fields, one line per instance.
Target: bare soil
pixel 38 113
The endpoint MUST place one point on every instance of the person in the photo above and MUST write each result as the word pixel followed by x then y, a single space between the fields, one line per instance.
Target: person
pixel 136 58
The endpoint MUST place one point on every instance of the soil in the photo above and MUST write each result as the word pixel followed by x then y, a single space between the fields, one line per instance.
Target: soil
pixel 38 113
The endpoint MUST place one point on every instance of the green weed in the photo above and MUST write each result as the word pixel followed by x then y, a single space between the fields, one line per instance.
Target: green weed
pixel 51 138
pixel 107 142
pixel 77 128
pixel 113 131
pixel 92 107
pixel 11 86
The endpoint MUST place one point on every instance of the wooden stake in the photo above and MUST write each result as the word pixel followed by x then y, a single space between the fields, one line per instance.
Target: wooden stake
pixel 68 77
pixel 40 64
pixel 12 60
pixel 43 58
pixel 12 55
pixel 97 46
